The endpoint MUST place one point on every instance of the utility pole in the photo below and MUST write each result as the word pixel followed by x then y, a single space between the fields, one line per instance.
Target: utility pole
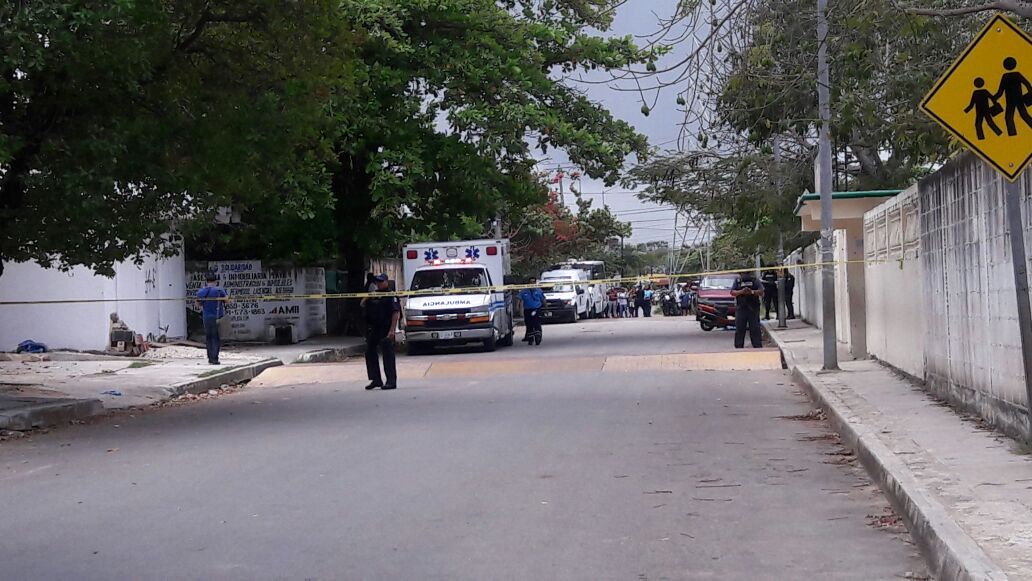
pixel 673 242
pixel 498 225
pixel 782 311
pixel 562 193
pixel 824 185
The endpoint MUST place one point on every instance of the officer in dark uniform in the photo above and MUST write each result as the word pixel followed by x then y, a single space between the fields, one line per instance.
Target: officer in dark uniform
pixel 789 293
pixel 747 292
pixel 770 293
pixel 381 315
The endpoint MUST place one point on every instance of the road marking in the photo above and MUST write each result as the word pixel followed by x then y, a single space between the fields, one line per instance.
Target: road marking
pixel 751 360
pixel 429 368
pixel 548 365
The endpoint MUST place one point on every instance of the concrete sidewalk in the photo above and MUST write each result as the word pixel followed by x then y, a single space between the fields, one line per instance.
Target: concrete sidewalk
pixel 58 387
pixel 965 491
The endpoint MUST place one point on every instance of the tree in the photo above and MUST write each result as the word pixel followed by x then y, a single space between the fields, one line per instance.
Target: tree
pixel 550 233
pixel 121 123
pixel 755 71
pixel 1016 7
pixel 456 95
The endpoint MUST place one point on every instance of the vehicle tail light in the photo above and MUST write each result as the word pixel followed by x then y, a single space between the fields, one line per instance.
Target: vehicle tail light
pixel 492 250
pixel 411 254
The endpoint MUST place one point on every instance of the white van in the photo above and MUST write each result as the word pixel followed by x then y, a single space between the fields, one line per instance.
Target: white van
pixel 447 315
pixel 566 295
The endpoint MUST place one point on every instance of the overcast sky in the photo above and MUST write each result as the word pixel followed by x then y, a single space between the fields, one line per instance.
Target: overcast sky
pixel 650 222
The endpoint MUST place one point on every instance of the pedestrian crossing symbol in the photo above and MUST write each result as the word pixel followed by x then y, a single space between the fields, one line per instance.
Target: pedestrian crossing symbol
pixel 985 98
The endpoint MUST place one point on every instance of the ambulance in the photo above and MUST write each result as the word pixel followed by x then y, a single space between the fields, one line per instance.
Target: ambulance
pixel 456 300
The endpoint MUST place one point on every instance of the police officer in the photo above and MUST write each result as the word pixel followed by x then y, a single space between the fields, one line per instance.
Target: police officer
pixel 381 314
pixel 770 292
pixel 789 292
pixel 533 301
pixel 747 292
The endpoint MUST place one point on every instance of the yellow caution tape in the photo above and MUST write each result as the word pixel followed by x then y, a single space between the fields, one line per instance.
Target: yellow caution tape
pixel 645 278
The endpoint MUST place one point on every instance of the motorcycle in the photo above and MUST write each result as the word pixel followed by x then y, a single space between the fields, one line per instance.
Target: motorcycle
pixel 668 301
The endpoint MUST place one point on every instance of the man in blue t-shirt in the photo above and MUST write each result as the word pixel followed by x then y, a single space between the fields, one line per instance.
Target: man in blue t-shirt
pixel 533 301
pixel 213 307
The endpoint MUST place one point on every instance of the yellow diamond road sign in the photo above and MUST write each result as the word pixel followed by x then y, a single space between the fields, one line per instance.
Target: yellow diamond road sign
pixel 985 98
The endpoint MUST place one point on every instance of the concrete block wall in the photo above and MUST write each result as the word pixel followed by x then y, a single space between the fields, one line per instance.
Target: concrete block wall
pixel 972 343
pixel 895 314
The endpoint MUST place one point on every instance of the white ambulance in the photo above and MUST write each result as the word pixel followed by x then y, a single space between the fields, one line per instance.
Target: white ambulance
pixel 443 313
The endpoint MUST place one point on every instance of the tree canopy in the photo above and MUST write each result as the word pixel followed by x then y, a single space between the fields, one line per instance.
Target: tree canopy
pixel 749 153
pixel 121 122
pixel 330 127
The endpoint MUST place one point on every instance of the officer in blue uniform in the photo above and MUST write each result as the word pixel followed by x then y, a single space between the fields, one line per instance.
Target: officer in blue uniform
pixel 533 301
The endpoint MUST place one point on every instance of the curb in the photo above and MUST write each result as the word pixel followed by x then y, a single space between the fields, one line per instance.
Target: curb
pixel 948 550
pixel 235 375
pixel 50 413
pixel 330 355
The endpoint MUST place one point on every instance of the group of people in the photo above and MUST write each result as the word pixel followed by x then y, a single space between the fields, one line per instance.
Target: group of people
pixel 769 278
pixel 622 303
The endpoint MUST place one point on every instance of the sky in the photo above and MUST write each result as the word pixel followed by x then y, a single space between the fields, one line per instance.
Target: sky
pixel 649 221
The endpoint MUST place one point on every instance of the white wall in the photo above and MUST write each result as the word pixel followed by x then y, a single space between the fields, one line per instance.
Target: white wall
pixel 842 316
pixel 85 325
pixel 249 319
pixel 895 315
pixel 972 345
pixel 809 291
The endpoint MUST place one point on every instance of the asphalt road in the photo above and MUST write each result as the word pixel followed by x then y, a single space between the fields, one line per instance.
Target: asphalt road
pixel 609 452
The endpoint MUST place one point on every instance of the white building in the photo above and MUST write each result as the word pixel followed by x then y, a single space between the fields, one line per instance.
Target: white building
pixel 85 325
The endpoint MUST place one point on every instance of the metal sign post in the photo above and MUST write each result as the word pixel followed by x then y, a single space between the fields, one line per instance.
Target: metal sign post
pixel 1012 191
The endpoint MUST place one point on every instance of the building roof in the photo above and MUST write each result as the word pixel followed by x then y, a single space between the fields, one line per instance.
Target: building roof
pixel 812 197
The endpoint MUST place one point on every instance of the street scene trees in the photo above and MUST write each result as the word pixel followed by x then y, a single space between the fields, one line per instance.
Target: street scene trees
pixel 460 289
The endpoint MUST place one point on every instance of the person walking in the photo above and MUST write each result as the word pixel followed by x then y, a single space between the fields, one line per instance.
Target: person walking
pixel 381 316
pixel 212 298
pixel 789 290
pixel 747 292
pixel 770 293
pixel 533 300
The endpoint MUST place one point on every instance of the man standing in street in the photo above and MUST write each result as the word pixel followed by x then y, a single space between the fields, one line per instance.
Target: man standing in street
pixel 533 301
pixel 789 290
pixel 213 307
pixel 770 293
pixel 381 314
pixel 747 292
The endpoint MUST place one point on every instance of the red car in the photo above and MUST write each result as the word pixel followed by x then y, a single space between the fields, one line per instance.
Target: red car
pixel 716 306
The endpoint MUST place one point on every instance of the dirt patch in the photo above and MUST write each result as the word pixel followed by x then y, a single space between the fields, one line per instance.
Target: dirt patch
pixel 814 415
